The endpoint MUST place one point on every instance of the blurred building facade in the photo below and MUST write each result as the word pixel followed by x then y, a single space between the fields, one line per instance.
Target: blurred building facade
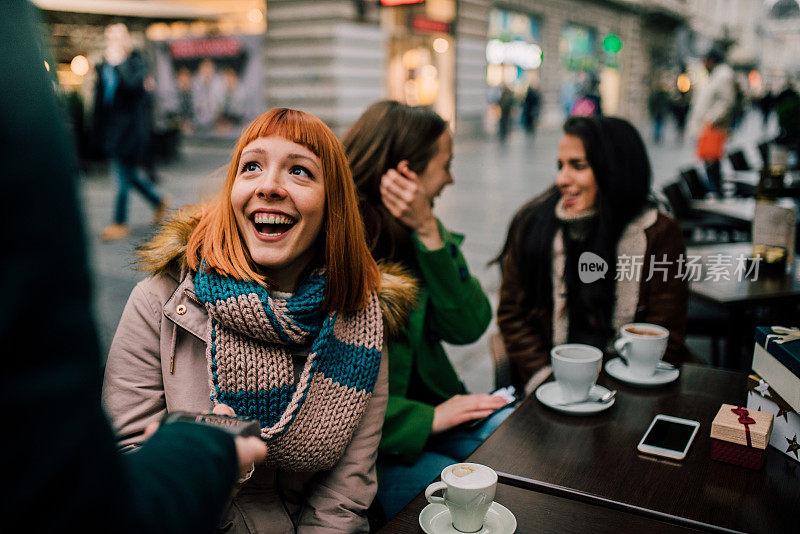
pixel 760 38
pixel 334 57
pixel 780 36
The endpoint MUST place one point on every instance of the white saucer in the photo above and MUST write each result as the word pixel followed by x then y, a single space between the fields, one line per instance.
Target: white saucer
pixel 620 371
pixel 435 519
pixel 550 395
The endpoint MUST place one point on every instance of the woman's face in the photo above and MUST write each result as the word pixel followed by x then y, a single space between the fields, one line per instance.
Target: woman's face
pixel 278 198
pixel 437 174
pixel 575 177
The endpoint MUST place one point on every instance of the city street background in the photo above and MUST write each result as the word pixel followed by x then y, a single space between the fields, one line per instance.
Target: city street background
pixel 492 180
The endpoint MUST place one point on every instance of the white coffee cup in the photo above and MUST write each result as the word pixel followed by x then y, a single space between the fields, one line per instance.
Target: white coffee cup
pixel 468 493
pixel 576 368
pixel 642 345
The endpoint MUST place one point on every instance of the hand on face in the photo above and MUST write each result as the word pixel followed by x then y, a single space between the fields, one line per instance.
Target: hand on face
pixel 409 196
pixel 278 199
pixel 405 197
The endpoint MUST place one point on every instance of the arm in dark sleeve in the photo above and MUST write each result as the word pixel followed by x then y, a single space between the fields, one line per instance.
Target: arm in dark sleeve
pixel 63 472
pixel 132 73
pixel 665 300
pixel 523 332
pixel 181 465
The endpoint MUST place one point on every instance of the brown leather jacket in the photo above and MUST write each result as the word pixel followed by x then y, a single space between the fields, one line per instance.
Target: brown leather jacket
pixel 528 333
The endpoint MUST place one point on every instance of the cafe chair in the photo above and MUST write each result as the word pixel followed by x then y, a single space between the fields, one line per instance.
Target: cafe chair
pixel 739 161
pixel 697 227
pixel 763 150
pixel 502 363
pixel 703 320
pixel 694 183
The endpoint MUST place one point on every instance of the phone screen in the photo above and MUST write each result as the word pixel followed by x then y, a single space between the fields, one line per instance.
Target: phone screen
pixel 669 435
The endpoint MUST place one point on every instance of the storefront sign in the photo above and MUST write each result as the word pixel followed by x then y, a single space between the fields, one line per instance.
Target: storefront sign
pixel 211 47
pixel 400 2
pixel 423 24
pixel 519 53
pixel 208 86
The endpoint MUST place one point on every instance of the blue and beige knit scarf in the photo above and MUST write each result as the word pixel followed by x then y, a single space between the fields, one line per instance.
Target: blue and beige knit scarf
pixel 251 338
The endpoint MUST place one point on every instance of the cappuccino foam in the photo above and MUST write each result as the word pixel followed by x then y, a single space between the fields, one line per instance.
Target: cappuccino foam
pixel 469 476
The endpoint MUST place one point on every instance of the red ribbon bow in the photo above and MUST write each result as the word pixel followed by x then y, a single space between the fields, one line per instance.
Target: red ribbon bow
pixel 745 419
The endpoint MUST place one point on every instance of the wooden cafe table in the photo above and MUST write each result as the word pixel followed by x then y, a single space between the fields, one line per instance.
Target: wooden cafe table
pixel 739 295
pixel 561 473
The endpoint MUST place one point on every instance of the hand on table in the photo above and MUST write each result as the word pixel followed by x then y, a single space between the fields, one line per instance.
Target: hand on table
pixel 463 408
pixel 406 199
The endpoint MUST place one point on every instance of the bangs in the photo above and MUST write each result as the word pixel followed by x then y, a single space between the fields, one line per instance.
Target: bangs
pixel 351 271
pixel 293 125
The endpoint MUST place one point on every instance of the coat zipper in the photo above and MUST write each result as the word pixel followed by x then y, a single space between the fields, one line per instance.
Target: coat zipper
pixel 192 296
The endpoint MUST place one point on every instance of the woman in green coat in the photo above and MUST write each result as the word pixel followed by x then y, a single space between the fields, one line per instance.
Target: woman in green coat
pixel 400 157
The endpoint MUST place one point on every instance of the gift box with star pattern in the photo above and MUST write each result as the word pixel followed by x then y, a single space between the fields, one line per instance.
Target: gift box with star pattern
pixel 786 424
pixel 740 436
pixel 776 359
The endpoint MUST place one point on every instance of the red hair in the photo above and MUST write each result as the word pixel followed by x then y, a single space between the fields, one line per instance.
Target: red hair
pixel 351 272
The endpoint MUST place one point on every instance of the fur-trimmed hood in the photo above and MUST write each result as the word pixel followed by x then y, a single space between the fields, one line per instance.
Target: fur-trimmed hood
pixel 166 252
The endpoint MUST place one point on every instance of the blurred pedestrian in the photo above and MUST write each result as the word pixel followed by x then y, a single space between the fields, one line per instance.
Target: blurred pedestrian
pixel 62 472
pixel 153 148
pixel 659 105
pixel 122 121
pixel 231 112
pixel 208 96
pixel 588 103
pixel 506 104
pixel 400 156
pixel 711 115
pixel 185 111
pixel 766 104
pixel 740 102
pixel 787 108
pixel 680 110
pixel 531 106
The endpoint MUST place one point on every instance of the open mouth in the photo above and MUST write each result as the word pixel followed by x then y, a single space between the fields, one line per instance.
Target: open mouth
pixel 272 224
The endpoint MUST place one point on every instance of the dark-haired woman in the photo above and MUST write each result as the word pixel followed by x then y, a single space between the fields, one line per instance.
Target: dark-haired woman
pixel 599 204
pixel 400 158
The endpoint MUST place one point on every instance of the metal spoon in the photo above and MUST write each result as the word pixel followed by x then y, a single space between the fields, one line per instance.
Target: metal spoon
pixel 602 399
pixel 664 366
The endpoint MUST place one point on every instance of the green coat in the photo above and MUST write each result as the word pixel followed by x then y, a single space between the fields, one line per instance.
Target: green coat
pixel 451 307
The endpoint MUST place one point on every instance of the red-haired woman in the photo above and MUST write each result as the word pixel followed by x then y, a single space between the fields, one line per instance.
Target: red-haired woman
pixel 266 303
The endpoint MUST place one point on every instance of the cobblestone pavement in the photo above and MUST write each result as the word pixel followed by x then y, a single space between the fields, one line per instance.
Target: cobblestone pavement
pixel 491 182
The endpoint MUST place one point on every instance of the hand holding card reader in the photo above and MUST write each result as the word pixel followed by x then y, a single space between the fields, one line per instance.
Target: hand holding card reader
pixel 237 426
pixel 669 436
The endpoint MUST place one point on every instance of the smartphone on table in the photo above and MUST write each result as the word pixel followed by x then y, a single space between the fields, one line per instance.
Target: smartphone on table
pixel 669 436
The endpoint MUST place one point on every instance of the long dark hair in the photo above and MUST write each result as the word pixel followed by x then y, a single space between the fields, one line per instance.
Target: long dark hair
pixel 618 158
pixel 385 134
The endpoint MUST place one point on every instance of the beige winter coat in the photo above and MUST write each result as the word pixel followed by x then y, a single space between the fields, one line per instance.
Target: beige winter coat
pixel 157 364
